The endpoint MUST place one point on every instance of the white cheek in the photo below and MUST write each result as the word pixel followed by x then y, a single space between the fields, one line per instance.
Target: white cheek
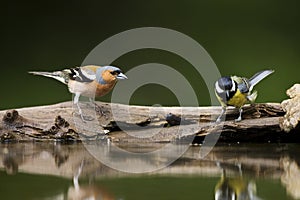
pixel 218 89
pixel 233 86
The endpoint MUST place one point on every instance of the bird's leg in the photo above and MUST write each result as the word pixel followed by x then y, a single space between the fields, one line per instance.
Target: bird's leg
pixel 76 177
pixel 240 169
pixel 220 116
pixel 91 100
pixel 95 106
pixel 240 115
pixel 76 102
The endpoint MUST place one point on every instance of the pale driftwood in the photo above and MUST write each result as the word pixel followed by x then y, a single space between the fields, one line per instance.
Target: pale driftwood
pixel 292 107
pixel 144 124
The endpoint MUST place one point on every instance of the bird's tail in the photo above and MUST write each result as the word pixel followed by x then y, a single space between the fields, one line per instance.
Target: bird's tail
pixel 258 77
pixel 58 75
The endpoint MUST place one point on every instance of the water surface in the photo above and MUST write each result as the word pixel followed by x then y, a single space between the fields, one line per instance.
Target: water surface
pixel 250 171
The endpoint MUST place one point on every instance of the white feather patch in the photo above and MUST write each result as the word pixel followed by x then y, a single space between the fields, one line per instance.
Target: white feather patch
pixel 233 86
pixel 218 89
pixel 61 79
pixel 77 74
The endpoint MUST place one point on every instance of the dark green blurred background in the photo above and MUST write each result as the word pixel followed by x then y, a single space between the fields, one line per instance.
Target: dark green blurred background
pixel 242 37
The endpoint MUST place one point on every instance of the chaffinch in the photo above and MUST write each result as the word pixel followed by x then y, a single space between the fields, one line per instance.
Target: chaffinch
pixel 89 81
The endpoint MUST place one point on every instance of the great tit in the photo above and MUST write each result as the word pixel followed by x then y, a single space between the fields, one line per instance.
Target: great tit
pixel 235 188
pixel 236 91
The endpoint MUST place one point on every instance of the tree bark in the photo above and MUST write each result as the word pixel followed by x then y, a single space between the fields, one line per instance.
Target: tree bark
pixel 123 123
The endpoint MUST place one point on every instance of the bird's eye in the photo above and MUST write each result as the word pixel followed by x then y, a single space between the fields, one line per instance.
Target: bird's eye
pixel 116 72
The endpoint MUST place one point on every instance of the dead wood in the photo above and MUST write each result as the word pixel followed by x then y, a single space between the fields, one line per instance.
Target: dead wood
pixel 123 123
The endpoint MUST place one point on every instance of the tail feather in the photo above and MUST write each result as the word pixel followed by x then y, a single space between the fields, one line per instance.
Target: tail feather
pixel 258 77
pixel 58 75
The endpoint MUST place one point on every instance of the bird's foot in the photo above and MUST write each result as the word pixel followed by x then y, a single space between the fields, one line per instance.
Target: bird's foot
pixel 85 118
pixel 98 109
pixel 240 115
pixel 102 111
pixel 221 115
pixel 238 119
pixel 218 120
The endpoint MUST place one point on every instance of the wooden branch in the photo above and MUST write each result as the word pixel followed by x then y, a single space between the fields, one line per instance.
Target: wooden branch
pixel 140 124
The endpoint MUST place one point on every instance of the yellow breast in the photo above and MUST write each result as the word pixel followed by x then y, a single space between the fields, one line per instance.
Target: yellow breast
pixel 238 100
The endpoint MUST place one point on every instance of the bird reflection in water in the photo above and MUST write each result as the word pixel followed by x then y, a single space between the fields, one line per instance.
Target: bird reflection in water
pixel 87 192
pixel 235 187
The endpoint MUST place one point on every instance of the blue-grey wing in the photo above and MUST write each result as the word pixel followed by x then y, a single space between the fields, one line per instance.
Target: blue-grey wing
pixel 243 83
pixel 243 86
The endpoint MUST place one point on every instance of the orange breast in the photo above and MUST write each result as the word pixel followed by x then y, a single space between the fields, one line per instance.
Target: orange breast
pixel 92 89
pixel 104 89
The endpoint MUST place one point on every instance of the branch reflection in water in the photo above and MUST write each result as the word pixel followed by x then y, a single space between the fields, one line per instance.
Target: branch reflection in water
pixel 240 169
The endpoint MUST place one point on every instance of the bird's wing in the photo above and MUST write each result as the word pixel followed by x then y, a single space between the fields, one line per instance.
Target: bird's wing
pixel 256 78
pixel 82 74
pixel 243 83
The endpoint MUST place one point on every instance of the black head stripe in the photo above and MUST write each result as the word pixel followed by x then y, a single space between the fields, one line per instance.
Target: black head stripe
pixel 226 96
pixel 116 72
pixel 231 94
pixel 229 89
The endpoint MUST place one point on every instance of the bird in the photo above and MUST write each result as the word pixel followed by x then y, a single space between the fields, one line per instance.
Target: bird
pixel 237 91
pixel 87 191
pixel 235 186
pixel 89 81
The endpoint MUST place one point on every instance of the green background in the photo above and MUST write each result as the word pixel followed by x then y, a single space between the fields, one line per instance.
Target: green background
pixel 242 38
